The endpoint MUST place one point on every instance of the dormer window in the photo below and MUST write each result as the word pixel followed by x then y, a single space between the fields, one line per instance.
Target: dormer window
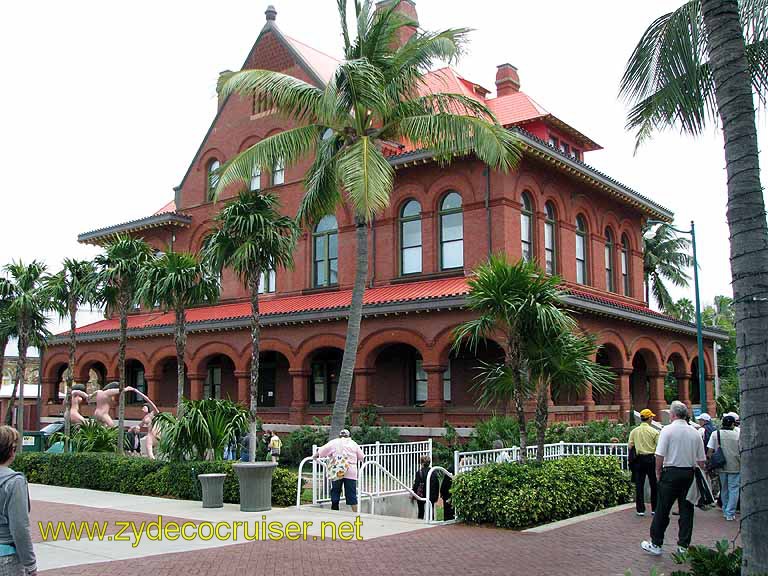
pixel 554 142
pixel 565 148
pixel 576 153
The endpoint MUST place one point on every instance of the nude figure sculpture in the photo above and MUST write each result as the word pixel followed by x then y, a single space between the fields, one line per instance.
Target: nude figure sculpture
pixel 153 433
pixel 77 395
pixel 105 399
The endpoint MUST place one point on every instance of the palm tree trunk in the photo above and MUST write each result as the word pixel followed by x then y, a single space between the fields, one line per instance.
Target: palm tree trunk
pixel 20 375
pixel 542 414
pixel 123 304
pixel 3 344
pixel 70 370
pixel 749 266
pixel 181 344
pixel 344 388
pixel 255 343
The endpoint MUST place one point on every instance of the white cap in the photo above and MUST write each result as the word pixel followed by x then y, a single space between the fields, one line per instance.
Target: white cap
pixel 704 416
pixel 735 416
pixel 344 433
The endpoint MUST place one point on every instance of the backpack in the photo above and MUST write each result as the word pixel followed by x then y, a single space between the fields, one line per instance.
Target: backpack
pixel 718 458
pixel 338 464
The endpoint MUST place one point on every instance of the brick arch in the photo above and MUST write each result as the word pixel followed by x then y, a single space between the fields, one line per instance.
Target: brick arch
pixel 694 354
pixel 451 182
pixel 208 155
pixel 313 343
pixel 158 357
pixel 248 142
pixel 581 208
pixel 53 364
pixel 561 213
pixel 198 359
pixel 529 182
pixel 87 360
pixel 609 220
pixel 443 342
pixel 677 348
pixel 651 352
pixel 410 189
pixel 268 345
pixel 615 339
pixel 138 355
pixel 196 238
pixel 369 348
pixel 630 229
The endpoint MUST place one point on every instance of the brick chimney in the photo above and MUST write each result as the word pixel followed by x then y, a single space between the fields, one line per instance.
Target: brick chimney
pixel 507 80
pixel 408 9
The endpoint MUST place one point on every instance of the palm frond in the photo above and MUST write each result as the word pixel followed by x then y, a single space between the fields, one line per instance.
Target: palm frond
pixel 367 177
pixel 322 193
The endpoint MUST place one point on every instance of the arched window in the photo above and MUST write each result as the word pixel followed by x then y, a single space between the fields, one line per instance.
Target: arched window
pixel 255 178
pixel 325 241
pixel 278 173
pixel 610 284
pixel 526 227
pixel 410 238
pixel 626 284
pixel 211 178
pixel 451 232
pixel 581 250
pixel 550 249
pixel 267 282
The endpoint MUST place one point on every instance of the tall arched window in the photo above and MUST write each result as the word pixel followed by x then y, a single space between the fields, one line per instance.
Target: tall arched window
pixel 550 249
pixel 626 284
pixel 211 178
pixel 255 178
pixel 278 173
pixel 451 232
pixel 267 282
pixel 526 227
pixel 581 250
pixel 610 283
pixel 410 238
pixel 325 242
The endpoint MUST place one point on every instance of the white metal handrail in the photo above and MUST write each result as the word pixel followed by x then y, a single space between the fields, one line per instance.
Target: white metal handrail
pixel 316 463
pixel 428 511
pixel 388 473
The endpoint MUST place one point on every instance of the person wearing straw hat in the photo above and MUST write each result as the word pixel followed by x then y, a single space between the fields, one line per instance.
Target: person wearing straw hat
pixel 643 441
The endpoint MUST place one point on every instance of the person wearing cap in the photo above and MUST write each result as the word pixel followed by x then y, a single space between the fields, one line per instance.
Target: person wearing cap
pixel 347 449
pixel 644 439
pixel 735 418
pixel 727 438
pixel 707 427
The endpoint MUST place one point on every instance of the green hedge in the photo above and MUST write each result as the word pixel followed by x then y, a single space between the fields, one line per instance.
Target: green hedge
pixel 519 496
pixel 133 475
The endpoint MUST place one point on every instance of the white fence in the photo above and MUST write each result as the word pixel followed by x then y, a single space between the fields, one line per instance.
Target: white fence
pixel 465 461
pixel 400 461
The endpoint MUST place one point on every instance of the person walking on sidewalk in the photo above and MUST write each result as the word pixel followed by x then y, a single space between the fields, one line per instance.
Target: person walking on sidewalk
pixel 643 440
pixel 344 454
pixel 678 452
pixel 727 439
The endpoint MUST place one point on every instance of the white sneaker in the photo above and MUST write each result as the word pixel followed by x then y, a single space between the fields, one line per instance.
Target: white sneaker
pixel 651 548
pixel 682 550
pixel 640 513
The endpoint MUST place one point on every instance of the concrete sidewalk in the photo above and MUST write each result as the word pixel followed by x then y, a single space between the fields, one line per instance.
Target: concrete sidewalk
pixel 53 503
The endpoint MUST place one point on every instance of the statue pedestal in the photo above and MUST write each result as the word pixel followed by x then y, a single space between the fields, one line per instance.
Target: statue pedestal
pixel 255 480
pixel 213 489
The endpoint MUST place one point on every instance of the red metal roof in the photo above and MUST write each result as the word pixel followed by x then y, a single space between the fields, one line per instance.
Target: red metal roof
pixel 170 207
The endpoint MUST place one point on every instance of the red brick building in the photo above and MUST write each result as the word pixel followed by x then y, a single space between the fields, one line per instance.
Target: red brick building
pixel 442 222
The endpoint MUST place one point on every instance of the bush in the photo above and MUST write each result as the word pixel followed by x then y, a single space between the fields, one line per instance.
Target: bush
pixel 298 444
pixel 371 428
pixel 518 496
pixel 704 561
pixel 133 475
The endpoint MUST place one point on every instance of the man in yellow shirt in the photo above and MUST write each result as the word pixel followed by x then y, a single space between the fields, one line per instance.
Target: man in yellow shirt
pixel 644 439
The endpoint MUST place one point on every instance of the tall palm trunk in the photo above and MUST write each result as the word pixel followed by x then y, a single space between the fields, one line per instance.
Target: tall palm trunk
pixel 255 344
pixel 3 344
pixel 123 305
pixel 513 363
pixel 542 415
pixel 749 266
pixel 181 345
pixel 70 371
pixel 17 378
pixel 20 375
pixel 344 388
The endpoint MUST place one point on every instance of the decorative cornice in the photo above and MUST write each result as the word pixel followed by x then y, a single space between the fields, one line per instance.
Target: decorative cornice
pixel 176 219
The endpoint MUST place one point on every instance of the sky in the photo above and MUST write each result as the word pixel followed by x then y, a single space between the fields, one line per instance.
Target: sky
pixel 105 103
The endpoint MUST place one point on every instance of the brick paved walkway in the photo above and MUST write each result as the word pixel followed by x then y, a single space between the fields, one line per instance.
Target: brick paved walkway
pixel 606 545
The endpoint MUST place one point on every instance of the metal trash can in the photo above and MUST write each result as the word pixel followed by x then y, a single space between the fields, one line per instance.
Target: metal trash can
pixel 213 489
pixel 34 442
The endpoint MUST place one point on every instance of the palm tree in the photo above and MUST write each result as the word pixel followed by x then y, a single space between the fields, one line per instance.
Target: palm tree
pixel 118 269
pixel 665 257
pixel 73 286
pixel 683 309
pixel 7 330
pixel 251 237
pixel 177 281
pixel 27 303
pixel 561 365
pixel 516 304
pixel 371 103
pixel 693 66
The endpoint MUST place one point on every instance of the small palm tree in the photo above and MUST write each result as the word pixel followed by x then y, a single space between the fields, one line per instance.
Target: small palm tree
pixel 7 330
pixel 515 304
pixel 177 281
pixel 563 365
pixel 27 303
pixel 698 64
pixel 117 273
pixel 665 257
pixel 371 103
pixel 251 237
pixel 73 286
pixel 683 309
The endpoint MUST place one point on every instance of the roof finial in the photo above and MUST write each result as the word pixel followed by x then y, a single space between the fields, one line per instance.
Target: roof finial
pixel 271 13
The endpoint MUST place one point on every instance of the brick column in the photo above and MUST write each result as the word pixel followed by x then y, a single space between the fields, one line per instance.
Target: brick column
pixel 196 382
pixel 363 387
pixel 588 402
pixel 684 389
pixel 711 400
pixel 623 393
pixel 153 387
pixel 243 388
pixel 300 382
pixel 49 391
pixel 435 405
pixel 656 389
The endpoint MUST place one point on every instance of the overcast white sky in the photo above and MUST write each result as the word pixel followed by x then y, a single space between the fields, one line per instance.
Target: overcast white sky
pixel 104 104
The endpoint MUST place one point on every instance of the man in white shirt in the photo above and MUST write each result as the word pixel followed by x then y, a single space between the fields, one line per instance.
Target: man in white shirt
pixel 727 439
pixel 678 452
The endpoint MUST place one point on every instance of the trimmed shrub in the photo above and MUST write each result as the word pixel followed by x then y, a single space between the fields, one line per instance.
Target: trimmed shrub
pixel 519 496
pixel 132 475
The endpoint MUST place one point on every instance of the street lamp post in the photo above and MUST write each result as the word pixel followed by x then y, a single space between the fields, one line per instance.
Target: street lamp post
pixel 699 337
